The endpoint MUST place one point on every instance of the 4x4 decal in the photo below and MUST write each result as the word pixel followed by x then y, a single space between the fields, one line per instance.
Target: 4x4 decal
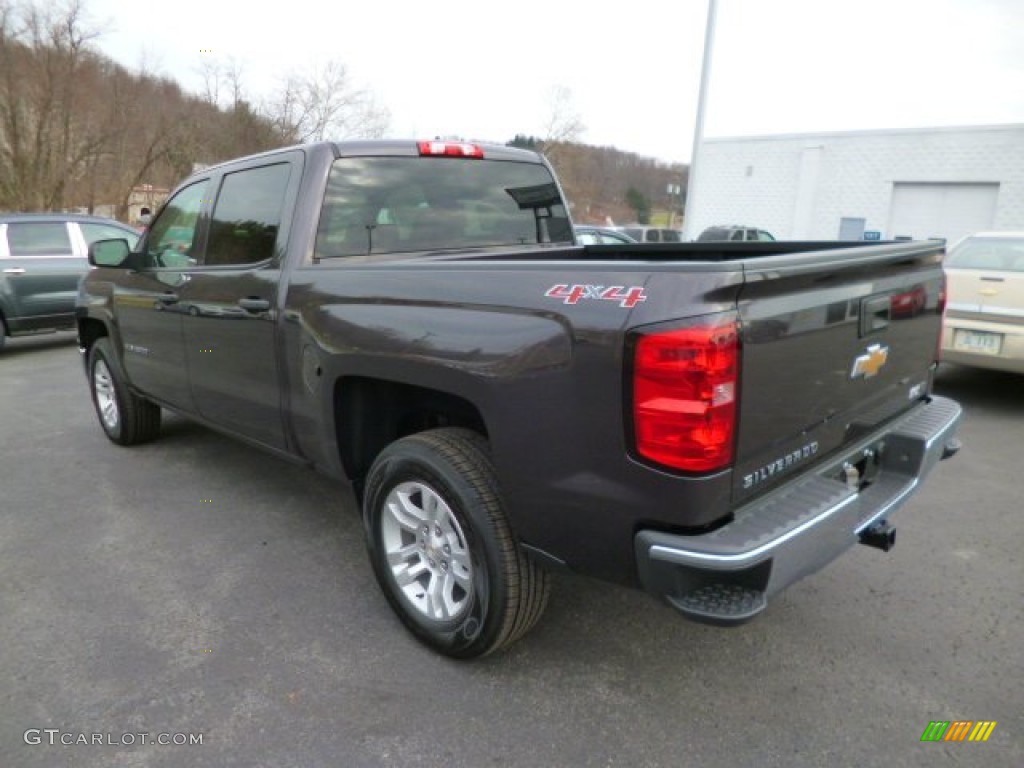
pixel 628 297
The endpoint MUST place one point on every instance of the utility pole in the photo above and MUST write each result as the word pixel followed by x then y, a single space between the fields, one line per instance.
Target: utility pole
pixel 698 130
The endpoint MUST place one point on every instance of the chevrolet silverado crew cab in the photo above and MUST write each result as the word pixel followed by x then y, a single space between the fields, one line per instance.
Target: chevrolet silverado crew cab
pixel 707 421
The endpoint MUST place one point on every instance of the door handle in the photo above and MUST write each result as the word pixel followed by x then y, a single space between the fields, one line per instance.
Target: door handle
pixel 14 271
pixel 252 304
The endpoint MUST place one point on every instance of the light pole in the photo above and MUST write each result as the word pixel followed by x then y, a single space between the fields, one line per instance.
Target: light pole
pixel 698 130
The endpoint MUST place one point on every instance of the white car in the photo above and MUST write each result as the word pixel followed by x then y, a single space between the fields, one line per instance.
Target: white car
pixel 984 320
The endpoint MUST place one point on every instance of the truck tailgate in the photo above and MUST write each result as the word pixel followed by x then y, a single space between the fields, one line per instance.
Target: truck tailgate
pixel 834 344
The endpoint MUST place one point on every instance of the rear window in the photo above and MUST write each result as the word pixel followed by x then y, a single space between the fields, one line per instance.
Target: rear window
pixel 714 233
pixel 394 204
pixel 1006 254
pixel 38 238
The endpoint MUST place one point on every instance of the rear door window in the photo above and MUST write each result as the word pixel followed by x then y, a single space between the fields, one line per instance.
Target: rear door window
pixel 247 216
pixel 39 238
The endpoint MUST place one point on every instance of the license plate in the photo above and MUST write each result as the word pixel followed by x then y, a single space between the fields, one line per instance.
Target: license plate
pixel 977 341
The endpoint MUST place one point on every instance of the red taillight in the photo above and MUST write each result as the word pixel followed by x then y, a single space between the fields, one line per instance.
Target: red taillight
pixel 450 149
pixel 941 308
pixel 685 385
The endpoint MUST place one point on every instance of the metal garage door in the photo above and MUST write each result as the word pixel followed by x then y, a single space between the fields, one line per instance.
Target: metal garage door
pixel 941 210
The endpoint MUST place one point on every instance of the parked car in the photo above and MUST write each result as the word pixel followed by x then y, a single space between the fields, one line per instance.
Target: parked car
pixel 984 320
pixel 587 235
pixel 42 258
pixel 643 234
pixel 734 232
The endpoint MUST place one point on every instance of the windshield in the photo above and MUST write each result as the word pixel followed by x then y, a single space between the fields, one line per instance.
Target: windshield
pixel 395 204
pixel 998 253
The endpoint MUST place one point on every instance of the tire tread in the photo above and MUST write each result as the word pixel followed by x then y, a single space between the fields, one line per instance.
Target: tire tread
pixel 528 583
pixel 140 418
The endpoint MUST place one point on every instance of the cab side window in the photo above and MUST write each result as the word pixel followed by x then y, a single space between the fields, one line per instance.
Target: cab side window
pixel 171 240
pixel 247 216
pixel 39 238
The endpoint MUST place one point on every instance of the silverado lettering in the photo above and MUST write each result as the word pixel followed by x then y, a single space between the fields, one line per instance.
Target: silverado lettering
pixel 764 473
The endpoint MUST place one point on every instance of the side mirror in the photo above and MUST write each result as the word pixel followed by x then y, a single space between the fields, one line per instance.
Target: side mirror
pixel 109 253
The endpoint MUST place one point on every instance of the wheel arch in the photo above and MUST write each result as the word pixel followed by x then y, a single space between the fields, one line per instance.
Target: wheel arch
pixel 371 413
pixel 90 329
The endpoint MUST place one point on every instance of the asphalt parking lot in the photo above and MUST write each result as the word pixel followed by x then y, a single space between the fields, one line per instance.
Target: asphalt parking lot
pixel 195 586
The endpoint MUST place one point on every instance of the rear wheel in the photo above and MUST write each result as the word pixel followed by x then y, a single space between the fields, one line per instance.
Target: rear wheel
pixel 441 547
pixel 126 418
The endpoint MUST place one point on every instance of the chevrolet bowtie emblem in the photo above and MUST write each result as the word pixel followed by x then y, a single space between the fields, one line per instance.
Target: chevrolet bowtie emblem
pixel 870 363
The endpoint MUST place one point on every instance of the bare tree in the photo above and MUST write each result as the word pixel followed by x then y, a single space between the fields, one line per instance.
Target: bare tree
pixel 563 128
pixel 46 138
pixel 564 123
pixel 79 130
pixel 222 82
pixel 324 104
pixel 211 73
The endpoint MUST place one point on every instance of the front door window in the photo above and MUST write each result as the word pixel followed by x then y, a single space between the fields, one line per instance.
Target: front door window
pixel 172 238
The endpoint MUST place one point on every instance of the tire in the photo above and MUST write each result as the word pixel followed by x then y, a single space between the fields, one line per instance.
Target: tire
pixel 126 418
pixel 441 546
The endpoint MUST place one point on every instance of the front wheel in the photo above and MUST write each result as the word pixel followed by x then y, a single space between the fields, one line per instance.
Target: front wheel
pixel 126 418
pixel 442 549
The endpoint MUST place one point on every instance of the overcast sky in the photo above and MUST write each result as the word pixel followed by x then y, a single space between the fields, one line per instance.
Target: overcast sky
pixel 488 69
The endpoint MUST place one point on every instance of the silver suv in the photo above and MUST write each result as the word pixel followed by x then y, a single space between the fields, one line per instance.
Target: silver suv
pixel 42 258
pixel 734 233
pixel 651 234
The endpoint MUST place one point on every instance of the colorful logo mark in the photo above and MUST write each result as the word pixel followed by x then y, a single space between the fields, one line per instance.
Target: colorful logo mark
pixel 958 730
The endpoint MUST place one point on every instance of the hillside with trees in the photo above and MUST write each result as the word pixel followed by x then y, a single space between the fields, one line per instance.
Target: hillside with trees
pixel 79 131
pixel 605 184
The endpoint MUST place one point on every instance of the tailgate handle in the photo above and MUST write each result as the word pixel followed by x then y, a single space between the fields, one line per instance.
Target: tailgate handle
pixel 875 314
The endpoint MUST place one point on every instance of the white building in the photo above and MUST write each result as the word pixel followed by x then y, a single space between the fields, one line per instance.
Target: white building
pixel 914 183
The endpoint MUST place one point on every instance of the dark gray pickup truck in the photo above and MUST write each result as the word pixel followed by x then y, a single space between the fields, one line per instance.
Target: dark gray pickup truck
pixel 710 421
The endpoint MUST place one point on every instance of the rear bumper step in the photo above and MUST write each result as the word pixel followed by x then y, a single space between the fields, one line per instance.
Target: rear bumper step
pixel 727 576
